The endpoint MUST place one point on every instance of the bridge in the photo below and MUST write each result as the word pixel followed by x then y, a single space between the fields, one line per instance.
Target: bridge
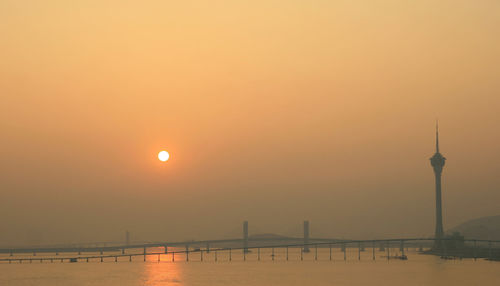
pixel 245 246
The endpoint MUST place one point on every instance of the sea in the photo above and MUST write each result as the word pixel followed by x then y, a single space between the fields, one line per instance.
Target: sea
pixel 314 268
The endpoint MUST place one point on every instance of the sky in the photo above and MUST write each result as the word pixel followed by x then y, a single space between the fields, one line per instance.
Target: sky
pixel 272 111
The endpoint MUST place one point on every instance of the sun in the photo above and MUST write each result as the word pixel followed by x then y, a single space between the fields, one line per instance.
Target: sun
pixel 163 156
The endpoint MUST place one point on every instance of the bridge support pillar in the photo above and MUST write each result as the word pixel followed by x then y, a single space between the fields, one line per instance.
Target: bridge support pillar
pixel 208 248
pixel 187 253
pixel 388 251
pixel 166 249
pixel 373 251
pixel 359 250
pixel 344 250
pixel 402 247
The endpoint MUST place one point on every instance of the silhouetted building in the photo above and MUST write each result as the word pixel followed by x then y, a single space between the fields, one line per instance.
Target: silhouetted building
pixel 437 162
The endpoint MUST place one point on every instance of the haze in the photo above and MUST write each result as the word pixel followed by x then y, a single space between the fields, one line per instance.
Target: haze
pixel 273 112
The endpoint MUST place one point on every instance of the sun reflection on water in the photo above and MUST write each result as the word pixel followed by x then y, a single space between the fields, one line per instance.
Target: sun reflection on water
pixel 162 273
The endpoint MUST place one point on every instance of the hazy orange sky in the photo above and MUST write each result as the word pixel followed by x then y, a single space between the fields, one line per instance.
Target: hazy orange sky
pixel 272 111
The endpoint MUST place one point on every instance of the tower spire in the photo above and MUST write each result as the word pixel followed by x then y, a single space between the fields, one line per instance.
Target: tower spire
pixel 437 136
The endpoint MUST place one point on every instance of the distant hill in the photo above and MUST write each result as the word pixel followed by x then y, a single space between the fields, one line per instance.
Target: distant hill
pixel 480 228
pixel 266 236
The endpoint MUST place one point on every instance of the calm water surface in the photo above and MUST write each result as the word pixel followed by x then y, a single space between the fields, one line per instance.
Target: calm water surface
pixel 417 270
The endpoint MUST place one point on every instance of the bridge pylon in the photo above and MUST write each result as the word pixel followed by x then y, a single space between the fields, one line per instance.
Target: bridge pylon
pixel 245 236
pixel 306 236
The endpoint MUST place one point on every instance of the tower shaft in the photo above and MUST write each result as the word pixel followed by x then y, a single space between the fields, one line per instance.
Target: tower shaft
pixel 439 211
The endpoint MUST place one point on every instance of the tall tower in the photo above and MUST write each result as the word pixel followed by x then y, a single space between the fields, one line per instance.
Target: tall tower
pixel 437 162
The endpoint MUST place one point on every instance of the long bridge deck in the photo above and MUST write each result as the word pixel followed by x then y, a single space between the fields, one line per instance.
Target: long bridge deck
pixel 451 248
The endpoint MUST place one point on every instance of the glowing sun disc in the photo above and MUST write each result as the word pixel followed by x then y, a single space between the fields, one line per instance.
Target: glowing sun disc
pixel 163 156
